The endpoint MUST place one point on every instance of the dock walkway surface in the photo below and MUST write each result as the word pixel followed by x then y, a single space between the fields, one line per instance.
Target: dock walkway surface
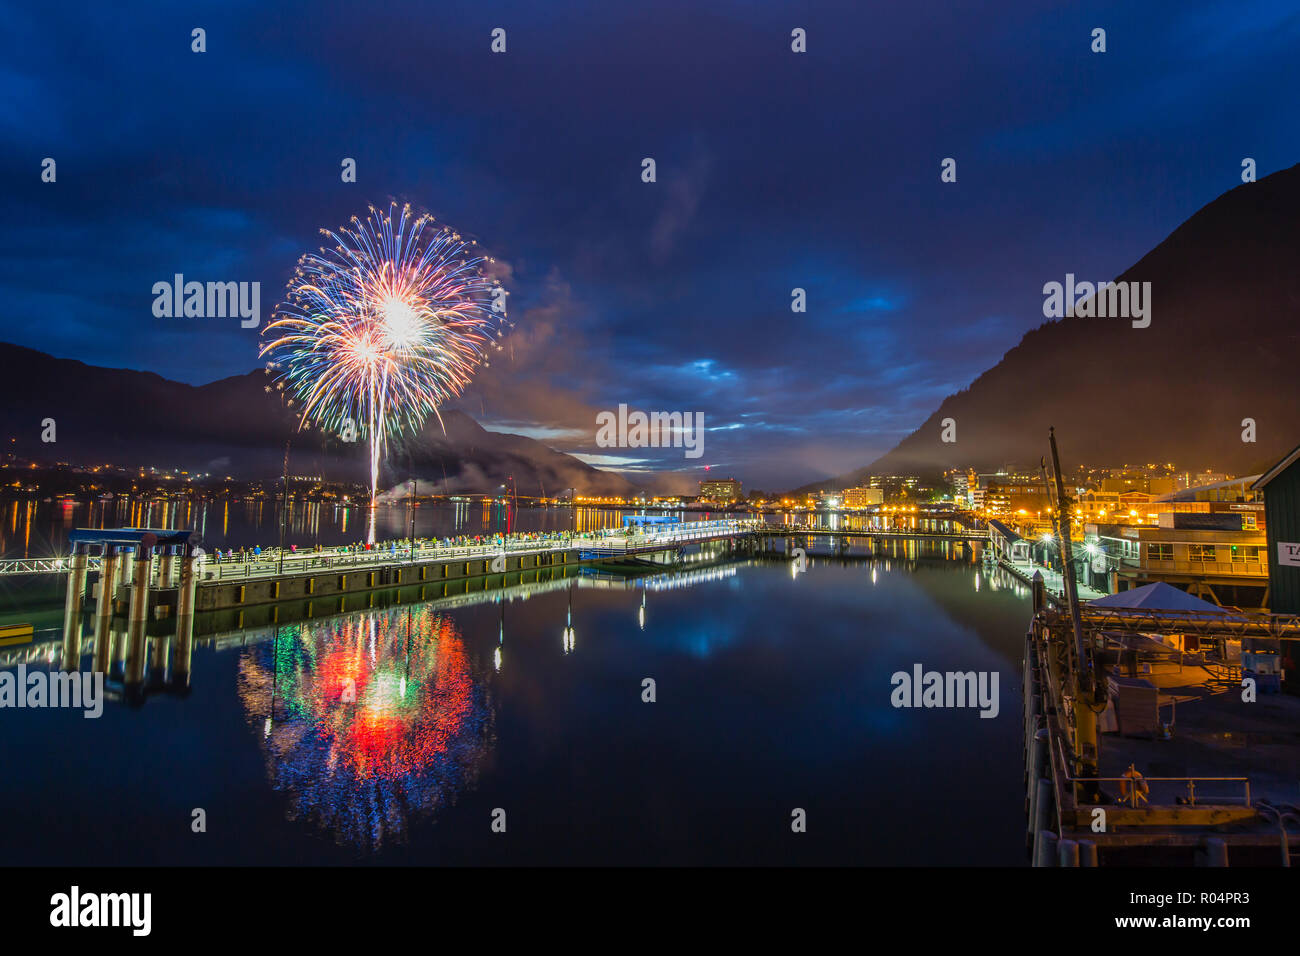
pixel 1052 579
pixel 1212 730
pixel 273 563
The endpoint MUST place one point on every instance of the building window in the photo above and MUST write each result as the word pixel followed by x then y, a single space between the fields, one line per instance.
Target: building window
pixel 1248 524
pixel 1245 553
pixel 1160 552
pixel 1200 552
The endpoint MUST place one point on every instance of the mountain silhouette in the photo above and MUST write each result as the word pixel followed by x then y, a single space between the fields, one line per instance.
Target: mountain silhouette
pixel 1223 346
pixel 238 426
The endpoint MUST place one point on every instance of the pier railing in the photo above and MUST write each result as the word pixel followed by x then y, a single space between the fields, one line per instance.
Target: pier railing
pixel 273 564
pixel 1130 788
pixel 269 563
pixel 42 565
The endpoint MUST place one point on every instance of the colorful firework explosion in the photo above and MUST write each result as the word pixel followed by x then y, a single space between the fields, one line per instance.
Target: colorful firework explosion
pixel 378 331
pixel 367 720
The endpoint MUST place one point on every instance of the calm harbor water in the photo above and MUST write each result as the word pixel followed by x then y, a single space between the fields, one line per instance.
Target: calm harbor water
pixel 31 528
pixel 772 693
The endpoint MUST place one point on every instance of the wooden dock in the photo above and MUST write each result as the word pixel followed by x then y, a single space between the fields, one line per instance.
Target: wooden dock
pixel 1186 769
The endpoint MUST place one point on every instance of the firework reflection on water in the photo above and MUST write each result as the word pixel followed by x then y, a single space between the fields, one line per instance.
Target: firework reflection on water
pixel 369 721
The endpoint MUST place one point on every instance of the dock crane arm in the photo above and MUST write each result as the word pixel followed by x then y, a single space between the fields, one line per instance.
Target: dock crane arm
pixel 1083 684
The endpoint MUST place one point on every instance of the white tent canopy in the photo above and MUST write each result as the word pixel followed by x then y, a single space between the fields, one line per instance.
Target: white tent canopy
pixel 1157 597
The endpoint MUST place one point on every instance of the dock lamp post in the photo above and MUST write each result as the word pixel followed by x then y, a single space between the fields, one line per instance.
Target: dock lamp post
pixel 303 424
pixel 1091 555
pixel 1098 562
pixel 1047 539
pixel 412 508
pixel 284 502
pixel 512 502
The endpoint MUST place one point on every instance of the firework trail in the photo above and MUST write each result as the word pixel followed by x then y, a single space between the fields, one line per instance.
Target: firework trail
pixel 378 331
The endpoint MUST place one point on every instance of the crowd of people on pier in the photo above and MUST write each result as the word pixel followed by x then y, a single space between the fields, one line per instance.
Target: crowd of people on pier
pixel 395 546
pixel 257 555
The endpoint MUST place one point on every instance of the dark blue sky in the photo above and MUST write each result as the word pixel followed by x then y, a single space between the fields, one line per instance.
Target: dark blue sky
pixel 775 170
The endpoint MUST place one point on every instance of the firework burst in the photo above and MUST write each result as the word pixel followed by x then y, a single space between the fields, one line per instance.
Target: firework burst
pixel 383 327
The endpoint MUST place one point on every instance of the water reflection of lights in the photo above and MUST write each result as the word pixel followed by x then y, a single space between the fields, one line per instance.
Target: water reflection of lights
pixel 568 625
pixel 999 579
pixel 368 720
pixel 687 579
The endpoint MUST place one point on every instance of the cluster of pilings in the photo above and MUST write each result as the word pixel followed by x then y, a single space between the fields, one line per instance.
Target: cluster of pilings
pixel 138 568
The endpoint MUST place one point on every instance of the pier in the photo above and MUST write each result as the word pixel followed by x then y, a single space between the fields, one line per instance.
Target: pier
pixel 158 579
pixel 149 584
pixel 1159 760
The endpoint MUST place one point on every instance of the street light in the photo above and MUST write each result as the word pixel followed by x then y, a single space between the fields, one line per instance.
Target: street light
pixel 412 509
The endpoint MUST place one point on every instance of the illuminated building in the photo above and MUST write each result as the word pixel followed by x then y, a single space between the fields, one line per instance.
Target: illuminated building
pixel 1282 508
pixel 862 497
pixel 1211 555
pixel 722 490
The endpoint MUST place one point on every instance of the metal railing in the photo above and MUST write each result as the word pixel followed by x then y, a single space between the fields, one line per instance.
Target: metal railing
pixel 691 531
pixel 1136 798
pixel 268 563
pixel 1237 569
pixel 42 565
pixel 272 563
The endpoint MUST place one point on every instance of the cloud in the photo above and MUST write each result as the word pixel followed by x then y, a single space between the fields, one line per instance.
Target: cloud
pixel 684 189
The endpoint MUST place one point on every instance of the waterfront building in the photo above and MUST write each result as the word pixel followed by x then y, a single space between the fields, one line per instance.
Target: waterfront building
pixel 1281 487
pixel 1004 495
pixel 1209 555
pixel 1139 481
pixel 721 490
pixel 862 497
pixel 1206 478
pixel 1115 507
pixel 1235 495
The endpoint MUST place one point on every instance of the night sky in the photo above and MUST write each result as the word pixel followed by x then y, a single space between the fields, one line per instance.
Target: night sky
pixel 775 170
